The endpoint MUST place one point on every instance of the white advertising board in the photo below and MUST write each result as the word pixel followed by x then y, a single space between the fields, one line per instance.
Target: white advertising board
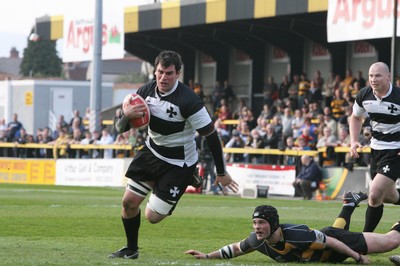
pixel 279 179
pixel 91 172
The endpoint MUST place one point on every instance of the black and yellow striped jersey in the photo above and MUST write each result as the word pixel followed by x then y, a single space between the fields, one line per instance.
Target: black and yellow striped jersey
pixel 299 243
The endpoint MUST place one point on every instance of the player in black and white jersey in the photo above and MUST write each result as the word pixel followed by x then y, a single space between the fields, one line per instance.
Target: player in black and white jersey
pixel 381 101
pixel 166 164
pixel 286 242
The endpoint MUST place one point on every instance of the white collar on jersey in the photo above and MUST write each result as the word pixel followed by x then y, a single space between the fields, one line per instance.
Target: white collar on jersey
pixel 386 95
pixel 159 95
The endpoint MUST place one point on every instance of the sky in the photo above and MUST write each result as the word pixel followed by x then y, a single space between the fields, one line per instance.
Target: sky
pixel 18 17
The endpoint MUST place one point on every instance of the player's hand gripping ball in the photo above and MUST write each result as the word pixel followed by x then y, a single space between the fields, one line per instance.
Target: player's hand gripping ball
pixel 134 99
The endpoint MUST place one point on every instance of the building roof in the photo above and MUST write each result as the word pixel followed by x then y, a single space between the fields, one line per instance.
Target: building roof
pixel 212 27
pixel 185 13
pixel 122 66
pixel 10 66
pixel 110 68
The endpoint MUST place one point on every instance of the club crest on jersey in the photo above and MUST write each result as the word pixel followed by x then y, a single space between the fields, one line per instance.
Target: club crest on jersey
pixel 171 112
pixel 392 108
pixel 174 191
pixel 386 169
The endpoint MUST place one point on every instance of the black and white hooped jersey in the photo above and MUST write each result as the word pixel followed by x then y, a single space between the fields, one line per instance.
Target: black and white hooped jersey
pixel 384 115
pixel 175 116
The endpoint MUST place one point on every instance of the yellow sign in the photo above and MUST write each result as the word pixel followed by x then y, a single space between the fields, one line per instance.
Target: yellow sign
pixel 39 172
pixel 28 98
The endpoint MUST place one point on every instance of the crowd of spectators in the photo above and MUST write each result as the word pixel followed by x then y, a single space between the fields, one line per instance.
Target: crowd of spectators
pixel 63 136
pixel 298 114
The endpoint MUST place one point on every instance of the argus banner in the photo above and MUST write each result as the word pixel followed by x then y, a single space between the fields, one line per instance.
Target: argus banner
pixel 350 20
pixel 79 32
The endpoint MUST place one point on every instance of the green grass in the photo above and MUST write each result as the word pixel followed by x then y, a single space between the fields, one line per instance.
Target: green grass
pixel 50 225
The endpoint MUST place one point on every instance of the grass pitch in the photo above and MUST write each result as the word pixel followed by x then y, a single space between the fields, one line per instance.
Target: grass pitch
pixel 55 225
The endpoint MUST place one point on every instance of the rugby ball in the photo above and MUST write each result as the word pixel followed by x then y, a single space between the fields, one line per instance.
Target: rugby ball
pixel 133 99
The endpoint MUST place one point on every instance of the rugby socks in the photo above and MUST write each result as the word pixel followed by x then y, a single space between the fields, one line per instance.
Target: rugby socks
pixel 343 220
pixel 373 216
pixel 131 226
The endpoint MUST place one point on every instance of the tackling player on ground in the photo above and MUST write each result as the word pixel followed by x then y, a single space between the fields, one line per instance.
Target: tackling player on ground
pixel 299 243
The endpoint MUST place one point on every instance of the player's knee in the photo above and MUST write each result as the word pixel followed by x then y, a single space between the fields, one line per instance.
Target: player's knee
pixel 157 209
pixel 153 217
pixel 375 199
pixel 128 205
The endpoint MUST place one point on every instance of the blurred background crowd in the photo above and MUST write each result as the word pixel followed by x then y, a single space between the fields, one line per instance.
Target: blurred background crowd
pixel 299 113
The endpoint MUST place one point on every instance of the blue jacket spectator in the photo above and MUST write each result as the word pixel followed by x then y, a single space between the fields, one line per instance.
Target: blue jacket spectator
pixel 307 181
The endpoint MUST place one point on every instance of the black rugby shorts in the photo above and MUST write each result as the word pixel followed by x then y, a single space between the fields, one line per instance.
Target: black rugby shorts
pixel 170 181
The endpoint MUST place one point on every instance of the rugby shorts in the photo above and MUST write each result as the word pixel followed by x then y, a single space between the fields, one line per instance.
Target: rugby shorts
pixel 385 162
pixel 354 240
pixel 170 181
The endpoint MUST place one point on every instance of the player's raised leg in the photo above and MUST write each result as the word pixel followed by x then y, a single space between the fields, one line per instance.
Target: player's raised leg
pixel 351 200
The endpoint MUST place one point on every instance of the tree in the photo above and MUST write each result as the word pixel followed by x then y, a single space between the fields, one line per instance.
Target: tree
pixel 40 59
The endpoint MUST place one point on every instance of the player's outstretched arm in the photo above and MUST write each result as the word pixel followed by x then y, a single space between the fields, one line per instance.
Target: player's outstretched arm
pixel 226 252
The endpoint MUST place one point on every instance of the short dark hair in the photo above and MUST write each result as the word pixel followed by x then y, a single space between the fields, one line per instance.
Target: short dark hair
pixel 168 58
